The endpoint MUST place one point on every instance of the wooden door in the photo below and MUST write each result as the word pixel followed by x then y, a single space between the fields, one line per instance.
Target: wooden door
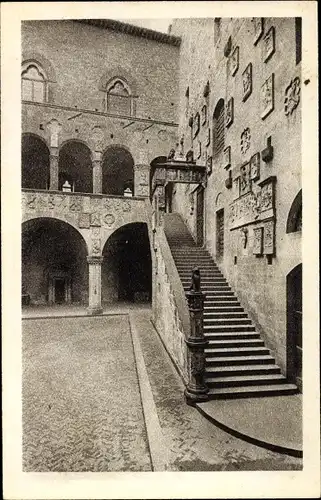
pixel 294 325
pixel 200 216
pixel 220 233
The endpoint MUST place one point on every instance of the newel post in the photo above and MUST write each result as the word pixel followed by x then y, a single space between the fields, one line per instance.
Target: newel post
pixel 196 390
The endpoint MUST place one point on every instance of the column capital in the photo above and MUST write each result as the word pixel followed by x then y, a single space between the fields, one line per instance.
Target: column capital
pixel 95 259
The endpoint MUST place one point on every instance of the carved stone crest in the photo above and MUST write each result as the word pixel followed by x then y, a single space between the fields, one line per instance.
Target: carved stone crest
pixel 95 219
pixel 84 220
pixel 292 96
pixel 269 44
pixel 229 112
pixel 267 97
pixel 95 246
pixel 245 140
pixel 247 81
pixel 109 219
pixel 255 167
pixel 227 157
pixel 268 245
pixel 75 204
pixel 234 61
pixel 244 234
pixel 258 28
pixel 204 114
pixel 245 182
pixel 258 240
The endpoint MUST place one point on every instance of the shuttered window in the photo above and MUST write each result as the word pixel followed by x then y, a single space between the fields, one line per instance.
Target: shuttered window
pixel 218 128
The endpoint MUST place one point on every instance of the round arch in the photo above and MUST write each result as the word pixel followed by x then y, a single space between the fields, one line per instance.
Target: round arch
pixel 294 220
pixel 75 166
pixel 54 262
pixel 35 162
pixel 127 265
pixel 117 170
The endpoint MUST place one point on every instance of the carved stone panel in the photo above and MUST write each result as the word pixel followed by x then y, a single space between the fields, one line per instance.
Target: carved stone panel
pixel 269 238
pixel 245 181
pixel 95 246
pixel 269 44
pixel 258 241
pixel 229 112
pixel 84 221
pixel 253 206
pixel 245 140
pixel 234 61
pixel 255 167
pixel 267 97
pixel 292 96
pixel 247 82
pixel 258 28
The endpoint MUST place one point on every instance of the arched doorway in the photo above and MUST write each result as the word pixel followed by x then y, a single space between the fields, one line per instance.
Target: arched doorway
pixel 117 171
pixel 54 263
pixel 294 325
pixel 127 265
pixel 75 167
pixel 35 162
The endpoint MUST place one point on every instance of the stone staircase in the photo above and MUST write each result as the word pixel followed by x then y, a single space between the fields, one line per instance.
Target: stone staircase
pixel 237 362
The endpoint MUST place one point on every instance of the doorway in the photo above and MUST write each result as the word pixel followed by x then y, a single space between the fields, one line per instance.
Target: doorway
pixel 200 216
pixel 294 325
pixel 60 290
pixel 169 197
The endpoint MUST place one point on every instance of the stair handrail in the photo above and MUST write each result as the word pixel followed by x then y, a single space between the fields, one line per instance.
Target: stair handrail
pixel 175 281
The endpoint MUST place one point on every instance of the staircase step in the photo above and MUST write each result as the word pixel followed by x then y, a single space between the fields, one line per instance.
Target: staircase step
pixel 221 344
pixel 219 294
pixel 230 351
pixel 228 328
pixel 228 315
pixel 232 336
pixel 241 370
pixel 225 321
pixel 245 380
pixel 239 360
pixel 215 304
pixel 252 391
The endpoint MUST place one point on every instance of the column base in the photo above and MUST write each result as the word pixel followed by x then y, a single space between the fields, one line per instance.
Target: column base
pixel 200 396
pixel 94 311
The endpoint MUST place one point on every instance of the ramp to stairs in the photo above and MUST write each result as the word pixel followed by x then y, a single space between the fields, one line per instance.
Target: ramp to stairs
pixel 238 364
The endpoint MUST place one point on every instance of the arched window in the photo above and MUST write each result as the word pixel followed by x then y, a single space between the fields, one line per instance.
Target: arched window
pixel 218 128
pixel 119 99
pixel 294 222
pixel 33 83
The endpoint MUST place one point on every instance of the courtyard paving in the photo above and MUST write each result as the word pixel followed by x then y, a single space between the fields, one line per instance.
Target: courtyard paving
pixel 101 394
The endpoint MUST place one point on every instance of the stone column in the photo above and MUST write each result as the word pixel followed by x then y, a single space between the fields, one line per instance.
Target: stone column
pixel 54 169
pixel 159 196
pixel 196 390
pixel 94 270
pixel 97 172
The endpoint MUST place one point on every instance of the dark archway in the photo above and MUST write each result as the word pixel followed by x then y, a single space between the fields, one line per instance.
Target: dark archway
pixel 35 162
pixel 294 325
pixel 294 222
pixel 118 171
pixel 127 265
pixel 153 166
pixel 54 263
pixel 75 166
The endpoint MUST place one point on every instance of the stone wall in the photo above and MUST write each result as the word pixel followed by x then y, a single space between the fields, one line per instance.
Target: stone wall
pixel 251 64
pixel 82 58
